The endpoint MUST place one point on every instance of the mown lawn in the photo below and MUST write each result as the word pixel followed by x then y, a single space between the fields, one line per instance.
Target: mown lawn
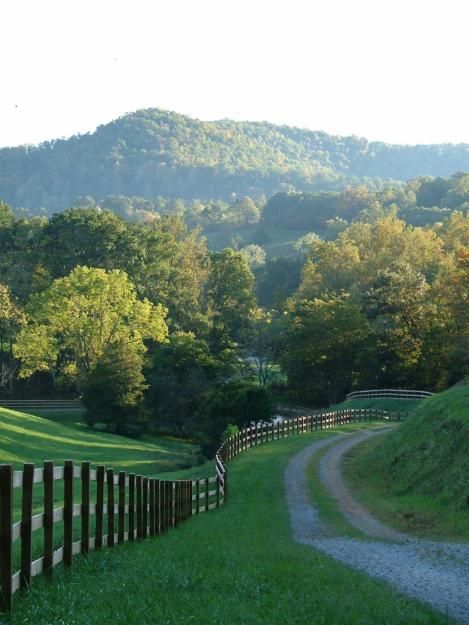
pixel 235 566
pixel 31 438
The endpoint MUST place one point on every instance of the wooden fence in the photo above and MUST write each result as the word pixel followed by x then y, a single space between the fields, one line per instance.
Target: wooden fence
pixel 389 392
pixel 41 404
pixel 117 507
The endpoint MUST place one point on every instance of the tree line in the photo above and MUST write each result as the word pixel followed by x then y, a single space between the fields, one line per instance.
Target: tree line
pixel 156 332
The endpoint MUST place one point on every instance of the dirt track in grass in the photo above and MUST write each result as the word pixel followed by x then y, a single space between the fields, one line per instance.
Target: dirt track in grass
pixel 434 572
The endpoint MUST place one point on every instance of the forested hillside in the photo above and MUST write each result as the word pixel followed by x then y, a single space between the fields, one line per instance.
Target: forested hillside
pixel 159 332
pixel 154 153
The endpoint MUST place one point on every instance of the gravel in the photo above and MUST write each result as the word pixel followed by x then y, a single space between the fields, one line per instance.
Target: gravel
pixel 434 572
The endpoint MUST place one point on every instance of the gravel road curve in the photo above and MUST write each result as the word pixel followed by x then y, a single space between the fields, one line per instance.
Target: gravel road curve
pixel 434 572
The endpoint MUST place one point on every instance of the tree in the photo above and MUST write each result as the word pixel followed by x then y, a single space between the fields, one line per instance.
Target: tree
pixel 255 256
pixel 85 236
pixel 278 280
pixel 73 322
pixel 230 297
pixel 171 268
pixel 114 389
pixel 180 374
pixel 12 318
pixel 237 403
pixel 21 265
pixel 6 215
pixel 263 346
pixel 325 350
pixel 398 303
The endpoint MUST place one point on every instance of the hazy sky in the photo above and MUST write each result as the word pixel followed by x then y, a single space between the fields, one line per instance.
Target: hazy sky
pixel 393 70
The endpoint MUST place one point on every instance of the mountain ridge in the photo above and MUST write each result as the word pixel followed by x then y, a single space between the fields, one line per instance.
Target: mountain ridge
pixel 152 152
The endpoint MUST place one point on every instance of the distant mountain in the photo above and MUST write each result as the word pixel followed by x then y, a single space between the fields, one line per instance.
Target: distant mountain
pixel 154 153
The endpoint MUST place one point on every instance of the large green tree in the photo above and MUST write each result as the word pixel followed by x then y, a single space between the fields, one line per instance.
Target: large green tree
pixel 231 298
pixel 73 321
pixel 180 373
pixel 12 318
pixel 326 348
pixel 114 389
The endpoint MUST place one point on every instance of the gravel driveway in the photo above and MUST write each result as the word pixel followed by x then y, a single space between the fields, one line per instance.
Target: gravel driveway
pixel 434 572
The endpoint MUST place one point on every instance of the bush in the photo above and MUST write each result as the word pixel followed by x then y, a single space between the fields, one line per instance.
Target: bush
pixel 114 389
pixel 233 404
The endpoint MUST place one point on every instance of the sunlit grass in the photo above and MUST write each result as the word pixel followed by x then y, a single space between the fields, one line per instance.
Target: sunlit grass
pixel 30 438
pixel 234 566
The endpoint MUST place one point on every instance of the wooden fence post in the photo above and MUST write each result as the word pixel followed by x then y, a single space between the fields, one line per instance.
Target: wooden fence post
pixel 138 487
pixel 157 507
pixel 85 507
pixel 225 485
pixel 6 538
pixel 131 506
pixel 145 507
pixel 169 504
pixel 99 506
pixel 151 486
pixel 110 507
pixel 68 512
pixel 121 508
pixel 48 516
pixel 26 525
pixel 163 504
pixel 206 494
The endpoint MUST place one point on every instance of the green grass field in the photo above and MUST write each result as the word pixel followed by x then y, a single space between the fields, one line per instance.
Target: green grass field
pixel 237 565
pixel 30 438
pixel 416 478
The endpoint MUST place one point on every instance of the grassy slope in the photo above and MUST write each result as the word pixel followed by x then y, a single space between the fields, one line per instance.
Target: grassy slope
pixel 29 438
pixel 420 476
pixel 382 403
pixel 237 565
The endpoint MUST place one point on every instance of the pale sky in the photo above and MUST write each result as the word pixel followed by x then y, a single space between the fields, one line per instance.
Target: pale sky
pixel 390 70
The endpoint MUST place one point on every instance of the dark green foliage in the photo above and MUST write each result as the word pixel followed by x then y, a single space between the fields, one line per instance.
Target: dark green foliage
pixel 229 431
pixel 235 403
pixel 85 236
pixel 180 374
pixel 324 350
pixel 231 299
pixel 113 391
pixel 278 279
pixel 420 202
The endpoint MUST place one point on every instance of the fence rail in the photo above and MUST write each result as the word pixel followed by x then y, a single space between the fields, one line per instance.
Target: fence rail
pixel 46 404
pixel 125 506
pixel 389 392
